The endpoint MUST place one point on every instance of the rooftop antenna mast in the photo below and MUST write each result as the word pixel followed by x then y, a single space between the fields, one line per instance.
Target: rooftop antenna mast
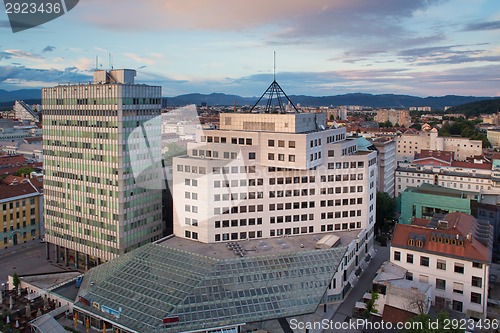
pixel 96 62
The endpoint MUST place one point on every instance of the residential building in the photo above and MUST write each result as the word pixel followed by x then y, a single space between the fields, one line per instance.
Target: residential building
pixel 452 253
pixel 427 200
pixel 420 108
pixel 399 299
pixel 25 112
pixel 494 137
pixel 386 148
pixel 493 119
pixel 21 210
pixel 97 205
pixel 464 176
pixel 398 118
pixel 410 143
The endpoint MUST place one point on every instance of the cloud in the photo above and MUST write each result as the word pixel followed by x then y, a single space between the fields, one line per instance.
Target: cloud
pixel 446 54
pixel 49 48
pixel 7 54
pixel 491 25
pixel 295 18
pixel 26 74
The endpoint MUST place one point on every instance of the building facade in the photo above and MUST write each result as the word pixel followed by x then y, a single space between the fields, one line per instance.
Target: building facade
pixel 427 199
pixel 428 139
pixel 264 176
pixel 20 210
pixel 95 208
pixel 400 117
pixel 453 258
pixel 494 137
pixel 464 176
pixel 386 148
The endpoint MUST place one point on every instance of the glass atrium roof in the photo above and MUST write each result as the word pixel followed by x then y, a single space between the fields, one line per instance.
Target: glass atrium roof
pixel 140 289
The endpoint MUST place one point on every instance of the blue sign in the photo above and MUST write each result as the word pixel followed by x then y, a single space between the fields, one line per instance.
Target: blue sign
pixel 111 311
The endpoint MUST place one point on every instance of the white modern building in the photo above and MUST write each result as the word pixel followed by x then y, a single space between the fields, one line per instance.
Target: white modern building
pixel 453 255
pixel 428 139
pixel 93 137
pixel 278 175
pixel 386 148
pixel 23 111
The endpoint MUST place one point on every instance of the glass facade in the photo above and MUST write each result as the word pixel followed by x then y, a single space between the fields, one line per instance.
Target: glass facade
pixel 194 292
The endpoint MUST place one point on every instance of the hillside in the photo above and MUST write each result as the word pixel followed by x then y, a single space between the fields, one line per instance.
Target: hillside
pixel 477 108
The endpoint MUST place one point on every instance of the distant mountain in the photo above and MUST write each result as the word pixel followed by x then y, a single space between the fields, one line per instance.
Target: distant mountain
pixel 216 99
pixel 387 100
pixel 24 94
pixel 477 108
pixel 33 96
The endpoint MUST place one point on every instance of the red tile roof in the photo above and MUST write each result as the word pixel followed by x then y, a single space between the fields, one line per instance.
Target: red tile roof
pixel 11 160
pixel 470 165
pixel 12 186
pixel 460 224
pixel 445 156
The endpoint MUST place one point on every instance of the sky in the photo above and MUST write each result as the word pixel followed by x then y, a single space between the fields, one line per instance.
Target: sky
pixel 323 47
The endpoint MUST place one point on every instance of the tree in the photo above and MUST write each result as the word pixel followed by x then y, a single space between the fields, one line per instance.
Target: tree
pixel 173 150
pixel 24 171
pixel 385 210
pixel 431 325
pixel 15 280
pixel 371 306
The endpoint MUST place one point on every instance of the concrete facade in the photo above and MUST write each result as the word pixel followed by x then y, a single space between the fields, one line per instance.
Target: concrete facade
pixel 95 208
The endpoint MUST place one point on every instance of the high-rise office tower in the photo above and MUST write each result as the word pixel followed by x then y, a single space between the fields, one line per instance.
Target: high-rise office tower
pixel 94 135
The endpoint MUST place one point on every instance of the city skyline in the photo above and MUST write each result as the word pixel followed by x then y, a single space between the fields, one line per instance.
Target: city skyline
pixel 423 48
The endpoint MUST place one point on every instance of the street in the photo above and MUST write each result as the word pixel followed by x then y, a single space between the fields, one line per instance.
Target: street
pixel 364 284
pixel 27 258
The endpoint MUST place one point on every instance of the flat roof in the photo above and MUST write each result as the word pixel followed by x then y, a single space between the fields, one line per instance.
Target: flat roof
pixel 257 247
pixel 426 188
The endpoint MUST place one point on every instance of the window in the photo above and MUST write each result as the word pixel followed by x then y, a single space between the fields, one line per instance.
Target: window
pixel 424 261
pixel 270 143
pixel 409 258
pixel 475 298
pixel 291 158
pixel 459 268
pixel 270 156
pixel 251 156
pixel 458 288
pixel 281 143
pixel 291 144
pixel 397 256
pixel 441 284
pixel 409 276
pixel 441 264
pixel 458 306
pixel 477 282
pixel 477 265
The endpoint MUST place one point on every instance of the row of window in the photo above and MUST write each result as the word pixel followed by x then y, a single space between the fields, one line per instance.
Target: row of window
pixel 238 223
pixel 440 264
pixel 240 235
pixel 32 234
pixel 234 141
pixel 340 226
pixel 17 204
pixel 338 215
pixel 280 143
pixel 291 231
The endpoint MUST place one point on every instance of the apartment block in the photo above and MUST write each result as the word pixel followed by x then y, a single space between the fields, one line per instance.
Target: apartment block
pixel 21 201
pixel 464 176
pixel 411 143
pixel 452 253
pixel 94 134
pixel 399 117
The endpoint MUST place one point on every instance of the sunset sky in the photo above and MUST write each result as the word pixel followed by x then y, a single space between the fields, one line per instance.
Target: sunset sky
pixel 323 47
